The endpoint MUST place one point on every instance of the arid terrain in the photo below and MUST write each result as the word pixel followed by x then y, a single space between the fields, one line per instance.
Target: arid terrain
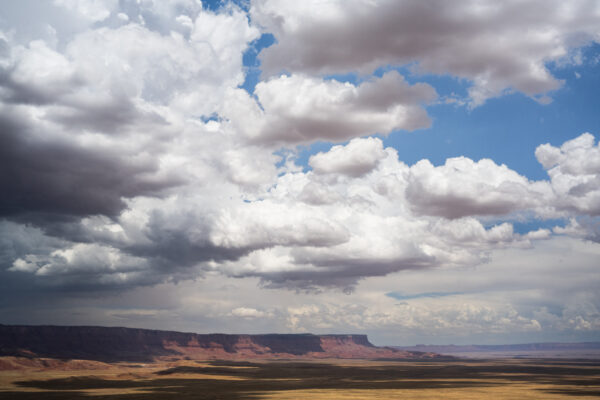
pixel 322 379
pixel 49 362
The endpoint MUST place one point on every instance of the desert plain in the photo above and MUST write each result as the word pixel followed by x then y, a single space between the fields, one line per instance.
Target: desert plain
pixel 23 378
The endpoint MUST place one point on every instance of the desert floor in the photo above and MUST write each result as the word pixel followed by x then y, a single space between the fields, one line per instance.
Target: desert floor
pixel 323 379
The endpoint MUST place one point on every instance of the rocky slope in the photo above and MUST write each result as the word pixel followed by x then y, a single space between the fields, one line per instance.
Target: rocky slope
pixel 126 344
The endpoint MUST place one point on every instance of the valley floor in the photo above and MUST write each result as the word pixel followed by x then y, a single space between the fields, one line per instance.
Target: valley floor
pixel 322 379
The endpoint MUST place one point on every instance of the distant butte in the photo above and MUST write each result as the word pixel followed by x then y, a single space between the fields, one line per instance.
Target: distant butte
pixel 108 344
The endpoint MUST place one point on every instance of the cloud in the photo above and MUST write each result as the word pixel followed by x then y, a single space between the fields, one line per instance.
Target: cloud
pixel 553 283
pixel 24 82
pixel 366 224
pixel 301 109
pixel 498 47
pixel 270 223
pixel 143 185
pixel 574 171
pixel 247 312
pixel 462 187
pixel 134 158
pixel 430 319
pixel 137 63
pixel 81 136
pixel 306 230
pixel 94 10
pixel 93 263
pixel 357 158
pixel 96 144
pixel 400 296
pixel 46 174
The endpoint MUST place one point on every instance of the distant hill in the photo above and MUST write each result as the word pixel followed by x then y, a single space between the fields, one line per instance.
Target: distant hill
pixel 111 344
pixel 575 350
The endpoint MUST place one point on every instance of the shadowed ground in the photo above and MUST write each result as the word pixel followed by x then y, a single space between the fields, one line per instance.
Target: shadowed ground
pixel 336 379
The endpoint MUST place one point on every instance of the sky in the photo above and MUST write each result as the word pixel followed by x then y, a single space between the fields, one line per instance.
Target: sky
pixel 418 171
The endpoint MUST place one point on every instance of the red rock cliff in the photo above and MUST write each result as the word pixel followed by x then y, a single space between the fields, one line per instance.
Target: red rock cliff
pixel 128 344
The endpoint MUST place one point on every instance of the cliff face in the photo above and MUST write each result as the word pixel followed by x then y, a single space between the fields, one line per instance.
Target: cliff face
pixel 127 344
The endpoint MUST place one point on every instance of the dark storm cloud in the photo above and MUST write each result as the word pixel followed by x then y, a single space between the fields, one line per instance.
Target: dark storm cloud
pixel 339 272
pixel 111 116
pixel 22 93
pixel 41 176
pixel 181 240
pixel 17 240
pixel 77 258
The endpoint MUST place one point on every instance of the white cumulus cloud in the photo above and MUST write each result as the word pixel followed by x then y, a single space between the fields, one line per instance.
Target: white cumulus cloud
pixel 301 109
pixel 497 46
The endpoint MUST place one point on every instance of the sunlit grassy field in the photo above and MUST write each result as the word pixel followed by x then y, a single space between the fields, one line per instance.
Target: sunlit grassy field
pixel 330 379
